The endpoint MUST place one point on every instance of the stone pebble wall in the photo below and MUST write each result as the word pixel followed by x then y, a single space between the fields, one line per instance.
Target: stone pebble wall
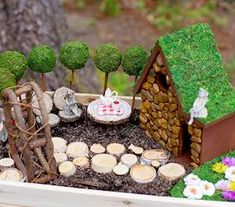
pixel 160 118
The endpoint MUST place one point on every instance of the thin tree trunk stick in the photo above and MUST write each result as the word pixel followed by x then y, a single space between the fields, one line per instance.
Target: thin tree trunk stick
pixel 43 82
pixel 106 82
pixel 133 99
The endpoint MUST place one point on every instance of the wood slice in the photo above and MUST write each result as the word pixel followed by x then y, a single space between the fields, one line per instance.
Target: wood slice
pixel 135 149
pixel 60 144
pixel 97 149
pixel 60 157
pixel 70 118
pixel 103 163
pixel 67 169
pixel 48 102
pixel 11 174
pixel 143 173
pixel 77 149
pixel 50 93
pixel 59 97
pixel 155 163
pixel 154 154
pixel 81 162
pixel 54 120
pixel 171 171
pixel 116 149
pixel 129 159
pixel 121 169
pixel 92 112
pixel 6 163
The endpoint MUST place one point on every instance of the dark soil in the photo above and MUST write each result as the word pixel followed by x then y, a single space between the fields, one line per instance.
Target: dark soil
pixel 90 132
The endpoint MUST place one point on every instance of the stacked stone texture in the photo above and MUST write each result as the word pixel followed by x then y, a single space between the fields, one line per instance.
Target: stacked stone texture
pixel 160 117
pixel 195 147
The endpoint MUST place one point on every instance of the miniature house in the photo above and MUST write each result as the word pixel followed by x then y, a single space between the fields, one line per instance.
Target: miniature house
pixel 179 65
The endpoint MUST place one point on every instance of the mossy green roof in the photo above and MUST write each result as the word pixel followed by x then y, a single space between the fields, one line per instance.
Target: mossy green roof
pixel 194 61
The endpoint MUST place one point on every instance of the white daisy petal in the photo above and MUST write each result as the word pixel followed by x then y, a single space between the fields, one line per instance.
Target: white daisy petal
pixel 222 185
pixel 193 192
pixel 192 179
pixel 207 188
pixel 230 173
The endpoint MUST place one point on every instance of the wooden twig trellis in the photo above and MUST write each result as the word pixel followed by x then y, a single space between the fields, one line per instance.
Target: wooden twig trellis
pixel 30 146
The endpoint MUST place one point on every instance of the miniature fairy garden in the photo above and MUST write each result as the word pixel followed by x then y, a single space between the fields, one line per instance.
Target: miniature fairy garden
pixel 112 143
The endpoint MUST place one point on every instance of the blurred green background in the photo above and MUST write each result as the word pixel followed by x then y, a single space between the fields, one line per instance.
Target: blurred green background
pixel 129 22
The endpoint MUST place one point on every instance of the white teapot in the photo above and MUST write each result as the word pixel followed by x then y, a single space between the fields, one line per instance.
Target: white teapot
pixel 108 97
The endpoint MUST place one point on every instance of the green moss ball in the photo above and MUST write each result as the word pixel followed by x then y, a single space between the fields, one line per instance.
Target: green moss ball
pixel 42 59
pixel 7 79
pixel 134 60
pixel 107 58
pixel 74 54
pixel 15 62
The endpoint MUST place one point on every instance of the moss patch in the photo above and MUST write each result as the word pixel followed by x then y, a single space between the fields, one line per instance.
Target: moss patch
pixel 194 62
pixel 7 79
pixel 205 173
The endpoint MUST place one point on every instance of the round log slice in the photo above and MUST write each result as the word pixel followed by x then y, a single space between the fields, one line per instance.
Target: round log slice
pixel 54 120
pixel 59 97
pixel 121 169
pixel 103 163
pixel 129 159
pixel 97 149
pixel 6 163
pixel 143 173
pixel 77 149
pixel 11 174
pixel 135 149
pixel 60 144
pixel 48 102
pixel 154 154
pixel 81 162
pixel 92 111
pixel 60 157
pixel 70 118
pixel 116 149
pixel 67 169
pixel 155 163
pixel 171 171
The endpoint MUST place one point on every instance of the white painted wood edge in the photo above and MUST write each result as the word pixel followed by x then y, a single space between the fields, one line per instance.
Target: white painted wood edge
pixel 37 195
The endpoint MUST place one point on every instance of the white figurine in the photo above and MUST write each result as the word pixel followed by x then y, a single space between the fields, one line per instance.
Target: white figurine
pixel 199 109
pixel 71 105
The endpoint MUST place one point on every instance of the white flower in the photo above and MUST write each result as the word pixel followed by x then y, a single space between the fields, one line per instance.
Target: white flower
pixel 193 192
pixel 230 173
pixel 207 188
pixel 222 185
pixel 192 179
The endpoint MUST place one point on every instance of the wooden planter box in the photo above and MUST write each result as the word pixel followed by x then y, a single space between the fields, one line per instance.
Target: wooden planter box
pixel 14 194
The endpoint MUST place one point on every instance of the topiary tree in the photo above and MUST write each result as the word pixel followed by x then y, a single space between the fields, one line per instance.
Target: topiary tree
pixel 15 62
pixel 42 59
pixel 7 79
pixel 107 58
pixel 74 55
pixel 133 62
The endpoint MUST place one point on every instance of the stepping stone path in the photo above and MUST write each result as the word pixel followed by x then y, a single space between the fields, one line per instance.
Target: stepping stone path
pixel 115 160
pixel 54 120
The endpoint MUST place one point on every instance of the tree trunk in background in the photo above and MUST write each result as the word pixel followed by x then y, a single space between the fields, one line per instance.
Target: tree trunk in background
pixel 26 23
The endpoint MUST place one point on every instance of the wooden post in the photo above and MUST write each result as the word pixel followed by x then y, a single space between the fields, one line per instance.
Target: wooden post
pixel 133 99
pixel 106 82
pixel 43 82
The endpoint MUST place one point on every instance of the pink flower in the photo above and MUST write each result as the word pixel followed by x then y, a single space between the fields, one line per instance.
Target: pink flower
pixel 229 161
pixel 229 195
pixel 222 185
